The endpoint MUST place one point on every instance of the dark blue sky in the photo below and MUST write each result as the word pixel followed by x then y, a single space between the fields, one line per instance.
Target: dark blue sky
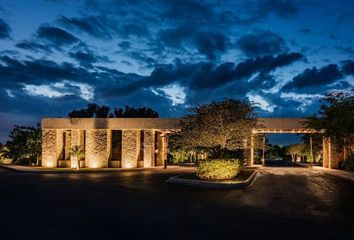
pixel 56 56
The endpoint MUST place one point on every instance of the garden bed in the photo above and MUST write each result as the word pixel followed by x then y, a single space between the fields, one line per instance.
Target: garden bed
pixel 242 181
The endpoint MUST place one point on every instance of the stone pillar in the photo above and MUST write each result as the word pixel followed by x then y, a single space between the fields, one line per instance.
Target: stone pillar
pixel 97 148
pixel 161 149
pixel 67 144
pixel 325 152
pixel 149 148
pixel 329 153
pixel 130 148
pixel 50 147
pixel 251 156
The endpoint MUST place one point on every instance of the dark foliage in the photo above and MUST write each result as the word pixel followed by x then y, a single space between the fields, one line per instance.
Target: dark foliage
pixel 24 146
pixel 93 110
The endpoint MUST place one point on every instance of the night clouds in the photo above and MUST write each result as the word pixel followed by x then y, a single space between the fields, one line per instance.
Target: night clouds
pixel 170 55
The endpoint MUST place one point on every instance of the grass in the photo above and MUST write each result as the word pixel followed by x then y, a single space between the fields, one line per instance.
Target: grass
pixel 242 177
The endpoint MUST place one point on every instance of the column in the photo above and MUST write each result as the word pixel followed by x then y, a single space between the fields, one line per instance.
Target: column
pixel 130 148
pixel 149 148
pixel 251 157
pixel 325 151
pixel 51 147
pixel 330 164
pixel 161 149
pixel 97 148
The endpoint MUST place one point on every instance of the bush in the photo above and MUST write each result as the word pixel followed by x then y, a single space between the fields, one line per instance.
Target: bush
pixel 348 164
pixel 219 169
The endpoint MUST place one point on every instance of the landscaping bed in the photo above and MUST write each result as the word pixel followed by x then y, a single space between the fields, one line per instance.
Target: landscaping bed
pixel 242 181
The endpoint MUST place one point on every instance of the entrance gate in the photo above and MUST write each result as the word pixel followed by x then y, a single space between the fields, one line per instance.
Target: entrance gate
pixel 290 125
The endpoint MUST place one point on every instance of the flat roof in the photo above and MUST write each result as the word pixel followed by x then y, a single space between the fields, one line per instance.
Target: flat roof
pixel 267 125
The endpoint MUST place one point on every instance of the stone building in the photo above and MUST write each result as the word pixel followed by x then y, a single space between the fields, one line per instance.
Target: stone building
pixel 137 142
pixel 107 142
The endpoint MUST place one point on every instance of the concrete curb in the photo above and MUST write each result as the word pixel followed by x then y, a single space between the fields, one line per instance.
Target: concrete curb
pixel 213 185
pixel 71 171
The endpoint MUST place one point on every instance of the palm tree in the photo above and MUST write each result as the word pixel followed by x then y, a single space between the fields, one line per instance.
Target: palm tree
pixel 77 153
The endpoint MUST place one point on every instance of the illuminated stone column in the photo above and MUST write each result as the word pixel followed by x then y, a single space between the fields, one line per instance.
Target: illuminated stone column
pixel 149 148
pixel 67 144
pixel 330 165
pixel 97 153
pixel 251 156
pixel 130 148
pixel 161 149
pixel 50 144
pixel 325 152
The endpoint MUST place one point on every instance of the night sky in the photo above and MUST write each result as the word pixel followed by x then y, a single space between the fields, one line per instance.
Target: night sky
pixel 56 56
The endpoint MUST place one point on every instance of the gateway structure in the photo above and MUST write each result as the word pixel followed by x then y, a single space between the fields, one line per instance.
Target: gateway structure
pixel 136 142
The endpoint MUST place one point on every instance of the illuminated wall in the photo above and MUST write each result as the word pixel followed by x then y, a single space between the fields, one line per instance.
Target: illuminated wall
pixel 139 146
pixel 149 150
pixel 97 148
pixel 50 144
pixel 130 148
pixel 160 146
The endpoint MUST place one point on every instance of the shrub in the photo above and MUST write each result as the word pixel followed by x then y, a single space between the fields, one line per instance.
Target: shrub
pixel 219 169
pixel 348 164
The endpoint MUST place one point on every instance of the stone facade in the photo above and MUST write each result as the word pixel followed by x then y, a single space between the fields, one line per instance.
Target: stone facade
pixel 161 145
pixel 97 153
pixel 149 148
pixel 50 144
pixel 130 148
pixel 94 136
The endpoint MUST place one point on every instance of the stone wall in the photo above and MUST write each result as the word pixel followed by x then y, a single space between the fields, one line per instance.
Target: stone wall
pixel 149 148
pixel 49 148
pixel 161 149
pixel 130 148
pixel 97 154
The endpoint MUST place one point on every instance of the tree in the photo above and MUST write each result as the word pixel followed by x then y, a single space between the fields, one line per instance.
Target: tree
pixel 102 112
pixel 94 110
pixel 336 118
pixel 130 112
pixel 77 153
pixel 296 150
pixel 218 126
pixel 24 146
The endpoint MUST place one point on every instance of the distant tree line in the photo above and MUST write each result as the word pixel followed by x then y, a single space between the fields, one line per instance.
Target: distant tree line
pixel 95 111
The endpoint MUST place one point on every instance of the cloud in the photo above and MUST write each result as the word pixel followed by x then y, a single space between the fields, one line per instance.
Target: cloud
pixel 61 89
pixel 210 44
pixel 5 29
pixel 87 58
pixel 348 67
pixel 56 36
pixel 311 77
pixel 261 102
pixel 34 46
pixel 207 43
pixel 262 43
pixel 95 26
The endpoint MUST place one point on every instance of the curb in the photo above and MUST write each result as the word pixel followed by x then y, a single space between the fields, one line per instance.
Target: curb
pixel 41 171
pixel 212 185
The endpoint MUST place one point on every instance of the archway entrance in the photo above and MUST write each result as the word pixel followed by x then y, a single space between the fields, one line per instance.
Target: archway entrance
pixel 289 126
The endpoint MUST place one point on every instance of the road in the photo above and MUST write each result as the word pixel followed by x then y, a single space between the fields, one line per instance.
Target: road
pixel 283 203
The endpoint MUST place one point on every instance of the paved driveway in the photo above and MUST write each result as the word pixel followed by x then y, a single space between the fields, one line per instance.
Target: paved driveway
pixel 284 203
